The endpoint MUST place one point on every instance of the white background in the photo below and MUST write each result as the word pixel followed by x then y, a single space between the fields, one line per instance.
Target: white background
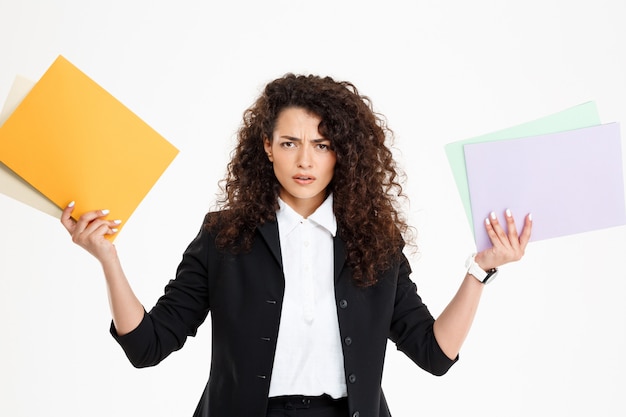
pixel 551 331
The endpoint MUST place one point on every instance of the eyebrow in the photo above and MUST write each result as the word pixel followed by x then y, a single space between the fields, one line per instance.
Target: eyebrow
pixel 318 140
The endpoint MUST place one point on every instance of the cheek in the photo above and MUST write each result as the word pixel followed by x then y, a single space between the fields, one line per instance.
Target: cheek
pixel 281 167
pixel 331 165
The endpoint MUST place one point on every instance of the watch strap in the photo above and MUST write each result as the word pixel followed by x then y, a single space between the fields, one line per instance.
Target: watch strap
pixel 477 272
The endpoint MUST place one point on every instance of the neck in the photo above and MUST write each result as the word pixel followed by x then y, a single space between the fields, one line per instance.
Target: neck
pixel 304 207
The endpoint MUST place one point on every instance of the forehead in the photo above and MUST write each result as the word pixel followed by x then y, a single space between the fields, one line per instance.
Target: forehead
pixel 297 119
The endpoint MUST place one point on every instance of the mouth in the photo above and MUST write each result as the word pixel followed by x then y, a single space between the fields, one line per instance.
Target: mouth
pixel 303 178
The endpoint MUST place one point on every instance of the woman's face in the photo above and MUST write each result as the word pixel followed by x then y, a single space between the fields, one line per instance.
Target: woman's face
pixel 303 160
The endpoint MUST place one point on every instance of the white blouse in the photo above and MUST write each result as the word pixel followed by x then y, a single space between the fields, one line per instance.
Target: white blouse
pixel 309 358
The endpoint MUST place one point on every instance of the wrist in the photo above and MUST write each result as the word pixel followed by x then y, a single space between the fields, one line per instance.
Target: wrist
pixel 109 258
pixel 482 262
pixel 477 271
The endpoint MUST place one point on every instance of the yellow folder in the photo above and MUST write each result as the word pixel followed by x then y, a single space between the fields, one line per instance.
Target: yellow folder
pixel 72 140
pixel 11 184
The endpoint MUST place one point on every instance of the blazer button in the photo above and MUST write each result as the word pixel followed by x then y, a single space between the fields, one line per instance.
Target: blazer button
pixel 352 378
pixel 343 303
pixel 348 341
pixel 356 414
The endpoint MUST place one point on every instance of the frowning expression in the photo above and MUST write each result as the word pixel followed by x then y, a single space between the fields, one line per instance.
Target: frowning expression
pixel 303 160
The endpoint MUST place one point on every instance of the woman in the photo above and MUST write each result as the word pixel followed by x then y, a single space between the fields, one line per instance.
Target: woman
pixel 301 267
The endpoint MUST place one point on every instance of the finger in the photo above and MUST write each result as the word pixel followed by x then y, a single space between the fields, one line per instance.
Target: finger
pixel 525 235
pixel 93 235
pixel 511 229
pixel 495 224
pixel 86 219
pixel 493 236
pixel 104 228
pixel 99 227
pixel 66 217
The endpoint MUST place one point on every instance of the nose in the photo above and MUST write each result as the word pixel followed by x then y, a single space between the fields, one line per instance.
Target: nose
pixel 304 157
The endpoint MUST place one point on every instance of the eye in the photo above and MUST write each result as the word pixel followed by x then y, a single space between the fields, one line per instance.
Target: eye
pixel 324 147
pixel 287 145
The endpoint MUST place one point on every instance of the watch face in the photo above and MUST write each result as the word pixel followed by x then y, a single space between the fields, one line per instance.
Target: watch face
pixel 491 274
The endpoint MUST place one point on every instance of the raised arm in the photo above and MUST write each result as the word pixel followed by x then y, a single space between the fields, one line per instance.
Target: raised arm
pixel 453 325
pixel 89 233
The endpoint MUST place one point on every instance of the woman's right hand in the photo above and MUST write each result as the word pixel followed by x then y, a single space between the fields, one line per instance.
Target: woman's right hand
pixel 90 231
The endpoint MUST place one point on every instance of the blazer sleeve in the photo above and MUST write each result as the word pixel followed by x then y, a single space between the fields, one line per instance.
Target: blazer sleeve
pixel 412 327
pixel 177 314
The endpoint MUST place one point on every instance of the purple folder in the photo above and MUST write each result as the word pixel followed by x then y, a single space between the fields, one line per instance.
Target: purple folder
pixel 571 181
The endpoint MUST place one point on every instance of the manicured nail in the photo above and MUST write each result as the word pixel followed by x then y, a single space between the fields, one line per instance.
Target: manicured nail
pixel 104 212
pixel 117 221
pixel 508 213
pixel 71 204
pixel 530 217
pixel 114 230
pixel 487 222
pixel 493 215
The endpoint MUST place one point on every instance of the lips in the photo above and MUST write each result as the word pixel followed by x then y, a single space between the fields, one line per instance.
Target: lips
pixel 303 178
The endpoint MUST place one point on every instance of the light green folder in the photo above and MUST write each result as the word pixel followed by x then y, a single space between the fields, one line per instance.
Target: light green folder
pixel 583 115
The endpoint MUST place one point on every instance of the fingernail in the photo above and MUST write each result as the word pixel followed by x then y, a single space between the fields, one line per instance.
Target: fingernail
pixel 104 212
pixel 487 222
pixel 530 217
pixel 114 230
pixel 71 204
pixel 117 221
pixel 508 213
pixel 493 215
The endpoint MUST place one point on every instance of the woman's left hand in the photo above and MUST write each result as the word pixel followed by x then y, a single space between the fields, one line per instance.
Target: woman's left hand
pixel 507 246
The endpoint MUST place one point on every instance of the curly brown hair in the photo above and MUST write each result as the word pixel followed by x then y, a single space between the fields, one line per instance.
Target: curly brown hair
pixel 365 185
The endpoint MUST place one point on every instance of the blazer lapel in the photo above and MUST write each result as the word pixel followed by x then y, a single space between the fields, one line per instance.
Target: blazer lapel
pixel 269 232
pixel 340 256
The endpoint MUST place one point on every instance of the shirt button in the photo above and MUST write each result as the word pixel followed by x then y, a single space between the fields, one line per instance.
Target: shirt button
pixel 343 303
pixel 352 378
pixel 348 340
pixel 356 414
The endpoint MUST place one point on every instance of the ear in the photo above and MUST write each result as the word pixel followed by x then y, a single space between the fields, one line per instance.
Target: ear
pixel 268 148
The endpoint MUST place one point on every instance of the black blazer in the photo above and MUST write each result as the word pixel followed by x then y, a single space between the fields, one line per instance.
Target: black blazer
pixel 244 294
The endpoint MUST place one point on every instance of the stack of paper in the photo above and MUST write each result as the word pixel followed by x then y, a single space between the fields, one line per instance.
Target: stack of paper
pixel 565 169
pixel 65 138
